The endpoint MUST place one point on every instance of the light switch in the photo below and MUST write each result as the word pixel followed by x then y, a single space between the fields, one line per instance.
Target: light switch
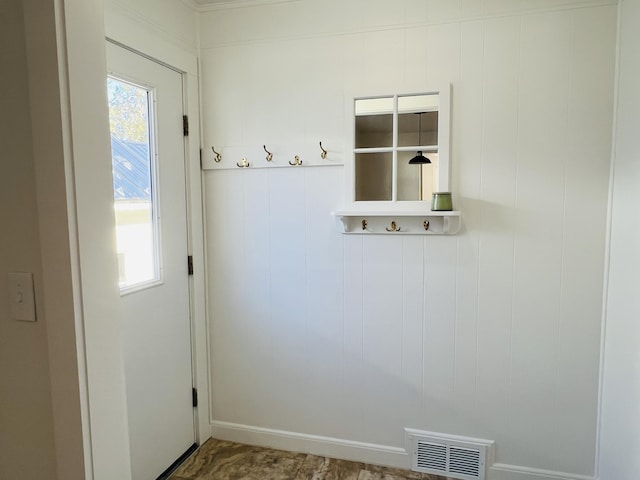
pixel 21 297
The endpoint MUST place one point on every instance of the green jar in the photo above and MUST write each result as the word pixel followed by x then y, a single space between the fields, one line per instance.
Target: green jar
pixel 441 202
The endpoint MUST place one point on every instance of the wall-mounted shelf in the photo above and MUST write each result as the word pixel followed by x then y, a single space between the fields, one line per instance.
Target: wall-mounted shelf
pixel 397 223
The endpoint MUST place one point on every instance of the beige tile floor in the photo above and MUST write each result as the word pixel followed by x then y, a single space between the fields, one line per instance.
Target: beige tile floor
pixel 221 460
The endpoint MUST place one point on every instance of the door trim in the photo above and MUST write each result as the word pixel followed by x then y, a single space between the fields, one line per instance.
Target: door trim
pixel 186 64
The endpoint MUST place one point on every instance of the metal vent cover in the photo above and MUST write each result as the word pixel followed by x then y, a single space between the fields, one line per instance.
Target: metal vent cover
pixel 451 456
pixel 432 456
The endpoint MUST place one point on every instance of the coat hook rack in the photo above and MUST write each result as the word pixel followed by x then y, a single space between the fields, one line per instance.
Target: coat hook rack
pixel 269 154
pixel 393 228
pixel 324 152
pixel 297 162
pixel 218 158
pixel 244 164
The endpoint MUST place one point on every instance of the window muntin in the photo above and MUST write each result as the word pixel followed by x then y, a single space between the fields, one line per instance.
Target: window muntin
pixel 400 126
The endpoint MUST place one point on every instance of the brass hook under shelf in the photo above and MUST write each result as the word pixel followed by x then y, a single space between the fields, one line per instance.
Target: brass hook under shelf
pixel 297 162
pixel 245 163
pixel 218 158
pixel 269 154
pixel 324 152
pixel 394 228
pixel 425 224
pixel 364 223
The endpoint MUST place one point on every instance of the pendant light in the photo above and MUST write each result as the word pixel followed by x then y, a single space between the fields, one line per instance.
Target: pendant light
pixel 419 159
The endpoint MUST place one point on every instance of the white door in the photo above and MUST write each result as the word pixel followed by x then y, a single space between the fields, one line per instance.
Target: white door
pixel 145 109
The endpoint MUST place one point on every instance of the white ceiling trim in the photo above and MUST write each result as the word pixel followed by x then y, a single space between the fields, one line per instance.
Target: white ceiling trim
pixel 215 5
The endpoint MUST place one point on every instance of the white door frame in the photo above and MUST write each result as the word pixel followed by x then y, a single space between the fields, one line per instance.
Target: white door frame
pixel 156 49
pixel 67 80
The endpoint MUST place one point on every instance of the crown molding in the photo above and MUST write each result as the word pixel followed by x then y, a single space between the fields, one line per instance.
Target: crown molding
pixel 192 5
pixel 231 4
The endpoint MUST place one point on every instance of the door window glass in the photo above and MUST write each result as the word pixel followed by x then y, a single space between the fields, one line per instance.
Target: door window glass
pixel 133 163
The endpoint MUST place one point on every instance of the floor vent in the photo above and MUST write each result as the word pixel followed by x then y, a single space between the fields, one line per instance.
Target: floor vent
pixel 452 456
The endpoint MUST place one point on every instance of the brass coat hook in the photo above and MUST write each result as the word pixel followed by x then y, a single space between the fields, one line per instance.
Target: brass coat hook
pixel 364 223
pixel 394 228
pixel 324 152
pixel 269 154
pixel 244 164
pixel 218 158
pixel 296 162
pixel 425 224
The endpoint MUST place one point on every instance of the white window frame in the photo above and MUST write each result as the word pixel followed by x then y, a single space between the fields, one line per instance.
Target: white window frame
pixel 443 149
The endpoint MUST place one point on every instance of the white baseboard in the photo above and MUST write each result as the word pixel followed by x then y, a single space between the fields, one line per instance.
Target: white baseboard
pixel 502 471
pixel 313 444
pixel 361 452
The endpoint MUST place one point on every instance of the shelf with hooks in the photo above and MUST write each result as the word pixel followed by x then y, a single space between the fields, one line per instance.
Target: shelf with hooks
pixel 272 156
pixel 398 223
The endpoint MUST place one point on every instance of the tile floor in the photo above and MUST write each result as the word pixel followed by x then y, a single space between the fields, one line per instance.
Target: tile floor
pixel 221 460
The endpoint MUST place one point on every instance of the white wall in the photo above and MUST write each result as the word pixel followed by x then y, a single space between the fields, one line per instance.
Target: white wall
pixel 620 427
pixel 173 21
pixel 47 431
pixel 493 333
pixel 26 416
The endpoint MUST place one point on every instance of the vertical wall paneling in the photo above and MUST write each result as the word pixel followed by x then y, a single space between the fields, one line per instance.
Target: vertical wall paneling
pixel 415 56
pixel 439 333
pixel 620 415
pixel 382 51
pixel 324 305
pixel 444 10
pixel 253 324
pixel 382 336
pixel 492 333
pixel 542 122
pixel 496 216
pixel 413 323
pixel 288 310
pixel 443 53
pixel 353 308
pixel 586 165
pixel 226 283
pixel 466 174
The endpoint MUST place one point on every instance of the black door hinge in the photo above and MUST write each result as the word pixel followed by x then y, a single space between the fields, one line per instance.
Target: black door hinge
pixel 194 396
pixel 185 125
pixel 190 264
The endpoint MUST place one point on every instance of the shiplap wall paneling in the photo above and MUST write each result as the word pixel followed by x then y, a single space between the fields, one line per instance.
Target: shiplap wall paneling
pixel 541 158
pixel 495 225
pixel 382 336
pixel 325 297
pixel 584 193
pixel 492 333
pixel 466 172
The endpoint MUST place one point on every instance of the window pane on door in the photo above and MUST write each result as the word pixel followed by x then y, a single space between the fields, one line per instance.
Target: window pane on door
pixel 130 108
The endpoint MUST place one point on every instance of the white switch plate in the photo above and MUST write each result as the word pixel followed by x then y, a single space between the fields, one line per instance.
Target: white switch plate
pixel 21 297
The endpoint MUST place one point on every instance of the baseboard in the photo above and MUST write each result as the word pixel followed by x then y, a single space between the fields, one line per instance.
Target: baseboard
pixel 361 452
pixel 502 471
pixel 313 444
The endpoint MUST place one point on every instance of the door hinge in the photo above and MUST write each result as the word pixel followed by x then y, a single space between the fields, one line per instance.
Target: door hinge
pixel 190 264
pixel 194 396
pixel 185 125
